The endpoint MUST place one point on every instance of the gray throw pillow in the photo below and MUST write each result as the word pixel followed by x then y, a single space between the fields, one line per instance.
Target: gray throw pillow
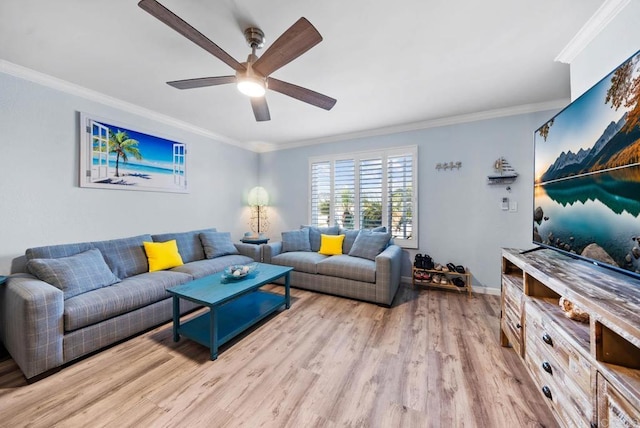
pixel 350 236
pixel 296 240
pixel 369 244
pixel 125 257
pixel 74 274
pixel 217 244
pixel 315 232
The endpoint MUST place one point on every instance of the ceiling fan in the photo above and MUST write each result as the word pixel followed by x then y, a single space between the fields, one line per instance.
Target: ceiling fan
pixel 253 76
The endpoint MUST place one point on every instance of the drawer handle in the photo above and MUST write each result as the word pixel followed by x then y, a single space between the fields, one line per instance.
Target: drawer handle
pixel 518 325
pixel 547 367
pixel 547 339
pixel 546 391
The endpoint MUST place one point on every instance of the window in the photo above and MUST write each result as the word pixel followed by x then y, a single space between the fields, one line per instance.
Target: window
pixel 367 190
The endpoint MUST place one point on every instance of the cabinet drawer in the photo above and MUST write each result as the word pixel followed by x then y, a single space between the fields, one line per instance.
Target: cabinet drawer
pixel 511 322
pixel 512 293
pixel 570 404
pixel 614 410
pixel 550 344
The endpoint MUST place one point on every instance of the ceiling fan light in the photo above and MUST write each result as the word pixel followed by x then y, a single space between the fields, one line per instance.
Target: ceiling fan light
pixel 251 87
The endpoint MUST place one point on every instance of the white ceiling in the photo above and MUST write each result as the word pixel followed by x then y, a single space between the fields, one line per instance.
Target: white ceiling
pixel 388 64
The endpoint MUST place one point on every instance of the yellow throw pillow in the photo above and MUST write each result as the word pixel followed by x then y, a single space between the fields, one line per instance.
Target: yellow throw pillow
pixel 162 255
pixel 331 245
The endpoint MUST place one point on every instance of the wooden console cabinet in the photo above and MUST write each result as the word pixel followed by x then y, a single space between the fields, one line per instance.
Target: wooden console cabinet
pixel 588 372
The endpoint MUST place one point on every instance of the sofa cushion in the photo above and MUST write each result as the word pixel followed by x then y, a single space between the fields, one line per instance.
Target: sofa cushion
pixel 126 257
pixel 331 245
pixel 217 244
pixel 162 255
pixel 315 232
pixel 369 244
pixel 75 274
pixel 296 240
pixel 189 244
pixel 302 261
pixel 130 294
pixel 210 266
pixel 344 266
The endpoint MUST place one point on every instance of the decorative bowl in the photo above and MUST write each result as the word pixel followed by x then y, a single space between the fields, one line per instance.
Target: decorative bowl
pixel 236 272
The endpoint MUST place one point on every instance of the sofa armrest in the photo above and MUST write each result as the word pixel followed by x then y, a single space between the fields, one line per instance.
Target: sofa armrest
pixel 271 250
pixel 388 270
pixel 250 250
pixel 31 323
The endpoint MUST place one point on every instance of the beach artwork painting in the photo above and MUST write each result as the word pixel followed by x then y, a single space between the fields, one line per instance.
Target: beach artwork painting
pixel 117 157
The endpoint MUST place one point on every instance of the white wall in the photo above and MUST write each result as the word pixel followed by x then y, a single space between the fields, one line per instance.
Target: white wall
pixel 460 218
pixel 617 42
pixel 42 203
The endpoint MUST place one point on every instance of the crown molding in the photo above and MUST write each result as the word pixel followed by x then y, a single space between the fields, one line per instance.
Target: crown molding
pixel 91 95
pixel 416 126
pixel 603 16
pixel 262 146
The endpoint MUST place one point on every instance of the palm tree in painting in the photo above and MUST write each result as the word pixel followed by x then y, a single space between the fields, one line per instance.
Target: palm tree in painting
pixel 123 146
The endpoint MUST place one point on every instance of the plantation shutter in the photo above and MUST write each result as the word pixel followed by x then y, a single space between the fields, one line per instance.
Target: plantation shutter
pixel 344 193
pixel 366 190
pixel 320 193
pixel 400 195
pixel 370 192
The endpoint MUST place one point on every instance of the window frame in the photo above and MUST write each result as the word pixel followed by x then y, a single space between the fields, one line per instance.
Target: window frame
pixel 357 157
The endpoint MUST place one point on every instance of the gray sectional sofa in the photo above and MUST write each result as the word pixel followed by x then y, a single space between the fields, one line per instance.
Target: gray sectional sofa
pixel 44 326
pixel 370 274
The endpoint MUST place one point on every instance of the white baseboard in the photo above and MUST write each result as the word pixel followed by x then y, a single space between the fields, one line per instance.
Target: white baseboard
pixel 480 289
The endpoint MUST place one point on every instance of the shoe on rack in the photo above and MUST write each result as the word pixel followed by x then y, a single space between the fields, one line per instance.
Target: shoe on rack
pixel 444 280
pixel 418 261
pixel 438 267
pixel 436 278
pixel 452 267
pixel 427 262
pixel 458 282
pixel 460 269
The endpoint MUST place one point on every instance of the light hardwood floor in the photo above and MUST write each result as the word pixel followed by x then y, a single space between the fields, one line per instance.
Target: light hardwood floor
pixel 432 360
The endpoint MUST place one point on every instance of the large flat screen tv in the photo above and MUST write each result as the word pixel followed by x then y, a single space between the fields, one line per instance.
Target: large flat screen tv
pixel 587 174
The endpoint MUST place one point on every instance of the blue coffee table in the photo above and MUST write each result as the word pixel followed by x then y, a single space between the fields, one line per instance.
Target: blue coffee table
pixel 234 305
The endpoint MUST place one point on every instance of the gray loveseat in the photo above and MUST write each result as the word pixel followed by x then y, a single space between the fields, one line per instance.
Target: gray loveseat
pixel 43 326
pixel 373 275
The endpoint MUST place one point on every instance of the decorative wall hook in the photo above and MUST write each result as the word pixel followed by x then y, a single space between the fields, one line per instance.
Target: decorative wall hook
pixel 448 165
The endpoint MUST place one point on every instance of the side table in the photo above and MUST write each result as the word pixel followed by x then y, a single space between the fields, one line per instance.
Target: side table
pixel 256 241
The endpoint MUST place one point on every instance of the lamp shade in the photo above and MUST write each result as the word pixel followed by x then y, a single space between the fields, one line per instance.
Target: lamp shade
pixel 258 197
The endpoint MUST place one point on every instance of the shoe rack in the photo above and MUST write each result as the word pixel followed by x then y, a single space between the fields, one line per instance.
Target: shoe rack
pixel 426 277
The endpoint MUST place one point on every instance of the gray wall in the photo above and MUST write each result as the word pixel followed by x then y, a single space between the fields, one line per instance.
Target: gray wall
pixel 460 218
pixel 42 203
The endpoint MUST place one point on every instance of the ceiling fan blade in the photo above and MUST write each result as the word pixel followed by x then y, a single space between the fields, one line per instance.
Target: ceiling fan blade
pixel 260 109
pixel 298 39
pixel 201 82
pixel 178 24
pixel 302 94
